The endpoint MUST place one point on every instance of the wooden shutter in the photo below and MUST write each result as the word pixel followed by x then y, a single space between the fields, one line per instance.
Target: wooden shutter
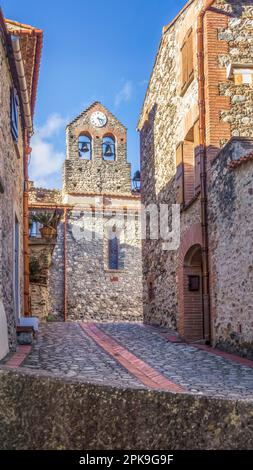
pixel 180 174
pixel 196 133
pixel 188 156
pixel 187 60
pixel 184 65
pixel 197 156
pixel 238 79
pixel 190 69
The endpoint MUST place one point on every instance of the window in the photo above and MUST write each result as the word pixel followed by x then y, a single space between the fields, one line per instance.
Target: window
pixel 85 147
pixel 243 77
pixel 187 61
pixel 35 230
pixel 113 255
pixel 14 114
pixel 242 74
pixel 109 148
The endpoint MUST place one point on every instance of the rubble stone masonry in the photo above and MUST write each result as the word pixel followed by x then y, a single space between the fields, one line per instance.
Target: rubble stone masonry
pixel 96 175
pixel 168 115
pixel 11 206
pixel 231 250
pixel 95 292
pixel 97 197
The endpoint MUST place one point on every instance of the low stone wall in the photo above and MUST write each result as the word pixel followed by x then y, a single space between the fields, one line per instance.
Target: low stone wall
pixel 44 196
pixel 39 411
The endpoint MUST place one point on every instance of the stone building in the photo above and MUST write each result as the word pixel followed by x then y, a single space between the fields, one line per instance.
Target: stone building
pixel 92 270
pixel 196 151
pixel 20 50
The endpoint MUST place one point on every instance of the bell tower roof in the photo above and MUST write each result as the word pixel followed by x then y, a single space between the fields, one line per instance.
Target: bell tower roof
pixel 95 104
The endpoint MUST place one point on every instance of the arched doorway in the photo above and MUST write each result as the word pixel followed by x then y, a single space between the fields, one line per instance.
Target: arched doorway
pixel 193 295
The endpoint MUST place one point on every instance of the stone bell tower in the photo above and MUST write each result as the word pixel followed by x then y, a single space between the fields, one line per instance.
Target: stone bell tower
pixel 96 160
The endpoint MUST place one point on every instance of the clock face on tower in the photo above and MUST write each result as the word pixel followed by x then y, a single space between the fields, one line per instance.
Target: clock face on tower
pixel 98 119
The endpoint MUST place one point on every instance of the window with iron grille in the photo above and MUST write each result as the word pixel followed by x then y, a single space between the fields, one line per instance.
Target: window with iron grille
pixel 113 255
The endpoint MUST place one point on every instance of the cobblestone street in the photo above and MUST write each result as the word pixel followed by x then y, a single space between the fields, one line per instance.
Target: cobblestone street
pixel 63 348
pixel 132 355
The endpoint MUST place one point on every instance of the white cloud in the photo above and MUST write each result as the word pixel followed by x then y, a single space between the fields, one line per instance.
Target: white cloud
pixel 46 159
pixel 53 124
pixel 125 94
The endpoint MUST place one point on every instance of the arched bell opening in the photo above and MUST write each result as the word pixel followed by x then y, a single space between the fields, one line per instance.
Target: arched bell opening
pixel 109 148
pixel 85 147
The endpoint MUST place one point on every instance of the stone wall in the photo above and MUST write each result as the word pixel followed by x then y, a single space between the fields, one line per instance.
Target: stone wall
pixel 44 196
pixel 231 253
pixel 94 191
pixel 95 292
pixel 11 204
pixel 85 416
pixel 41 251
pixel 56 277
pixel 239 35
pixel 96 175
pixel 166 118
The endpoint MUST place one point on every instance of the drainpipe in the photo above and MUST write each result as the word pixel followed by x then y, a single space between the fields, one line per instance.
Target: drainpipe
pixel 203 176
pixel 65 293
pixel 27 152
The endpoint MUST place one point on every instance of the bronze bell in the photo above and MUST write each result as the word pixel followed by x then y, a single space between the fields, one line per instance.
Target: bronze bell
pixel 108 151
pixel 84 148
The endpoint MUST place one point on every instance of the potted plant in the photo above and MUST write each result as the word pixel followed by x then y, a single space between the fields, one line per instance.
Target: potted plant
pixel 49 223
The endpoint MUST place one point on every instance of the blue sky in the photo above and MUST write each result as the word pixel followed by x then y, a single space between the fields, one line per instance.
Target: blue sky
pixel 99 50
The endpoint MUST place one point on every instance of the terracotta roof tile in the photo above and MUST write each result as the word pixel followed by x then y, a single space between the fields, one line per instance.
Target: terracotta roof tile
pixel 235 163
pixel 31 40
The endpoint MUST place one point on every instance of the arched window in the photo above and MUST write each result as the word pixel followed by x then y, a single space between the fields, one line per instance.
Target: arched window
pixel 109 148
pixel 85 147
pixel 113 255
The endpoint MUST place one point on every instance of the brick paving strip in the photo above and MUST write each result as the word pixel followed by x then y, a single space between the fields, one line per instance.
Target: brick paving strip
pixel 142 371
pixel 209 349
pixel 18 357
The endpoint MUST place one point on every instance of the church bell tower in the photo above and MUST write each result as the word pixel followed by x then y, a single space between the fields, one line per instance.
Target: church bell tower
pixel 96 160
